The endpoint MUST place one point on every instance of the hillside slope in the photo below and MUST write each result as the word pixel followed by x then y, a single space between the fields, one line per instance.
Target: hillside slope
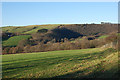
pixel 85 29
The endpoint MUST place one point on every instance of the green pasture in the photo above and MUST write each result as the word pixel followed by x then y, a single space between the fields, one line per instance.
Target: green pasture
pixel 103 36
pixel 94 63
pixel 28 29
pixel 13 41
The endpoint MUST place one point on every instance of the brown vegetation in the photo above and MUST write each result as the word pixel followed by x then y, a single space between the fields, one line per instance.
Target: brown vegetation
pixel 83 35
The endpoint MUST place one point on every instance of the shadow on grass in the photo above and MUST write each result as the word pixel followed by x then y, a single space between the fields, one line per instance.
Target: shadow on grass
pixel 95 73
pixel 44 63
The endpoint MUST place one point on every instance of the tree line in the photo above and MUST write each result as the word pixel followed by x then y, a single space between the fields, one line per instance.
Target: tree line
pixel 41 42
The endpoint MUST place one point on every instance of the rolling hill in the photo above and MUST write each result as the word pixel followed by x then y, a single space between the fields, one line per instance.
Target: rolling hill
pixel 85 29
pixel 60 51
pixel 60 31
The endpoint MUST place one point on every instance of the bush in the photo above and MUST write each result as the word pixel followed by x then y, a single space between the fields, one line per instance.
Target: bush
pixel 7 35
pixel 111 38
pixel 42 30
pixel 85 44
pixel 13 50
pixel 6 50
pixel 22 44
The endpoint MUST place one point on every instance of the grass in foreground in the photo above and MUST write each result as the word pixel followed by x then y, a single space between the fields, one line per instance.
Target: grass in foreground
pixel 67 63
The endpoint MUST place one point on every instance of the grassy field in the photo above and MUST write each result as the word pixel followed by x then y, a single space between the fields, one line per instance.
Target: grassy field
pixel 41 27
pixel 13 41
pixel 28 29
pixel 104 36
pixel 93 63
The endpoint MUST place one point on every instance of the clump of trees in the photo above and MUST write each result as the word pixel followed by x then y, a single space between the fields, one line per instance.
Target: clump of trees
pixel 25 46
pixel 6 35
pixel 112 38
pixel 42 31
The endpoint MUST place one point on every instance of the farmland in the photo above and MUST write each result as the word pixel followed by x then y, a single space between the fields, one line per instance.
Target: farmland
pixel 51 40
pixel 13 41
pixel 60 51
pixel 94 63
